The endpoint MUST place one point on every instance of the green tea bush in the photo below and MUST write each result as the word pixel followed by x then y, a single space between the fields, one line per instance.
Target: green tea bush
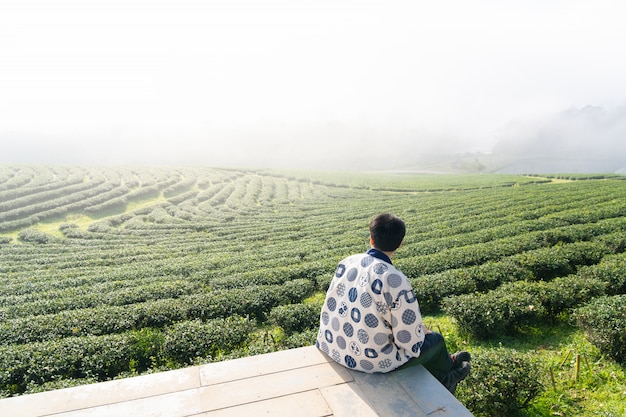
pixel 146 347
pixel 615 242
pixel 298 289
pixel 515 305
pixel 564 293
pixel 104 357
pixel 612 271
pixel 295 318
pixel 491 274
pixel 431 289
pixel 101 357
pixel 58 300
pixel 304 338
pixel 604 322
pixel 34 236
pixel 253 301
pixel 501 383
pixel 188 340
pixel 560 260
pixel 492 314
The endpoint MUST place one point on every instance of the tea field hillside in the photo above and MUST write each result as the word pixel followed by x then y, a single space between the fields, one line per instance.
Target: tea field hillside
pixel 108 272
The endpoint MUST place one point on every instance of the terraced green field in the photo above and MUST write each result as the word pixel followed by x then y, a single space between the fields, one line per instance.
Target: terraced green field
pixel 107 272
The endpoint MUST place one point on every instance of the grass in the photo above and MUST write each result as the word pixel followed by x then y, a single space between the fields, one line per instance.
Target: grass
pixel 578 380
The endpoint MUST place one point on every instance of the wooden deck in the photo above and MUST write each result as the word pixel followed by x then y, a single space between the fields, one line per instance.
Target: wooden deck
pixel 298 382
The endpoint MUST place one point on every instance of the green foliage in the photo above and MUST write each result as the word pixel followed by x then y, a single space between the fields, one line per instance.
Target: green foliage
pixel 294 318
pixel 104 357
pixel 304 338
pixel 517 305
pixel 604 322
pixel 611 270
pixel 501 383
pixel 163 257
pixel 186 341
pixel 146 349
pixel 432 289
pixel 34 236
pixel 254 301
pixel 560 260
pixel 494 313
pixel 100 357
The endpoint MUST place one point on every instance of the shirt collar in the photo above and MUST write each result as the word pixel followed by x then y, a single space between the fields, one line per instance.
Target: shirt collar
pixel 379 254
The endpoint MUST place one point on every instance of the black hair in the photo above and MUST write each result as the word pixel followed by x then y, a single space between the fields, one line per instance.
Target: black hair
pixel 387 230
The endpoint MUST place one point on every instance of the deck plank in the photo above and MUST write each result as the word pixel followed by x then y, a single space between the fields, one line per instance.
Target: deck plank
pixel 243 391
pixel 388 398
pixel 93 395
pixel 303 404
pixel 251 366
pixel 426 391
pixel 347 400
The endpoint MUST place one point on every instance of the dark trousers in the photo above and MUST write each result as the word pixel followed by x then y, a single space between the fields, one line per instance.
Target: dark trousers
pixel 434 356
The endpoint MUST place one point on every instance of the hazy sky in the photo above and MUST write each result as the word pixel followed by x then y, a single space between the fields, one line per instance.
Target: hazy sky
pixel 284 78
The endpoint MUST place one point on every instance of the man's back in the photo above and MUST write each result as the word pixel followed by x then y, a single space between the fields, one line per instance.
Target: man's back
pixel 370 320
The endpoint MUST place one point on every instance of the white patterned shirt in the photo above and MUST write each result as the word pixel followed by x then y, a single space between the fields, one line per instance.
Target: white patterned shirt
pixel 370 320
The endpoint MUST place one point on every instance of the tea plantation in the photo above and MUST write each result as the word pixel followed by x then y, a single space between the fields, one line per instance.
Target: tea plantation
pixel 108 272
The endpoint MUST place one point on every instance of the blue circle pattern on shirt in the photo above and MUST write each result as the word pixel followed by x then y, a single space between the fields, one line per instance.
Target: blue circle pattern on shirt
pixel 367 261
pixel 325 318
pixel 341 269
pixel 353 294
pixel 409 317
pixel 394 280
pixel 331 304
pixel 371 320
pixel 341 342
pixel 355 315
pixel 404 336
pixel 348 329
pixel 377 286
pixel 381 338
pixel 341 289
pixel 350 362
pixel 380 268
pixel 371 353
pixel 366 300
pixel 343 309
pixel 352 274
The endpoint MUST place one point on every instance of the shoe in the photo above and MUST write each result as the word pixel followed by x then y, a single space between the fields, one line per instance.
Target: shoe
pixel 456 375
pixel 460 357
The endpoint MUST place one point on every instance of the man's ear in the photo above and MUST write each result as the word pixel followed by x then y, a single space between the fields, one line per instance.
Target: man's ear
pixel 371 241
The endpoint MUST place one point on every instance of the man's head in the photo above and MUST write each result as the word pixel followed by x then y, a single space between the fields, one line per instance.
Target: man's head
pixel 387 232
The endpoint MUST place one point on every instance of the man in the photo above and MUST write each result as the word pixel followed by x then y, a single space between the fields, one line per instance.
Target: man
pixel 370 320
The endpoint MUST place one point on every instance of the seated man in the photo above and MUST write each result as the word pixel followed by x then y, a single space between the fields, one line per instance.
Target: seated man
pixel 370 320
